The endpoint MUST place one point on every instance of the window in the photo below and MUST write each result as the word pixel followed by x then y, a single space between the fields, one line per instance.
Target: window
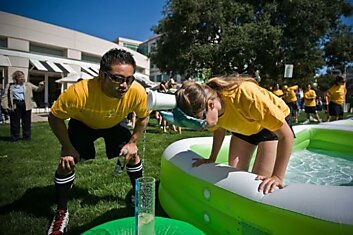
pixel 90 58
pixel 130 46
pixel 143 49
pixel 41 49
pixel 3 42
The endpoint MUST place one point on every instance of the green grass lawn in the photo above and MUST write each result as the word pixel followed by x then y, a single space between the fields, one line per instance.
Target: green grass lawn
pixel 27 189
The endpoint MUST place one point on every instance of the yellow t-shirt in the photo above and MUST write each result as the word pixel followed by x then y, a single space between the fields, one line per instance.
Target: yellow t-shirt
pixel 278 92
pixel 337 93
pixel 86 102
pixel 310 98
pixel 250 108
pixel 291 96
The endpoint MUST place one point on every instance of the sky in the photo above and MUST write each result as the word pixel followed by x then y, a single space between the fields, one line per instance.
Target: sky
pixel 106 19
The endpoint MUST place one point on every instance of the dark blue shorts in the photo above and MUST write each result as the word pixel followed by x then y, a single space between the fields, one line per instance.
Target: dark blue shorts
pixel 263 135
pixel 310 109
pixel 82 138
pixel 335 109
pixel 293 105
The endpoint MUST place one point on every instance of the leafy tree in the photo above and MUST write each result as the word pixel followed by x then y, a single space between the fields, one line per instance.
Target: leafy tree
pixel 339 50
pixel 224 36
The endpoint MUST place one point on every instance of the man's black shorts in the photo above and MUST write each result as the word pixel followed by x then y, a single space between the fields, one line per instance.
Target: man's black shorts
pixel 82 138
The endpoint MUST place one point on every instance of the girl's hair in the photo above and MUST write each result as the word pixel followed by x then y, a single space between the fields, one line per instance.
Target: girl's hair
pixel 17 74
pixel 229 82
pixel 192 97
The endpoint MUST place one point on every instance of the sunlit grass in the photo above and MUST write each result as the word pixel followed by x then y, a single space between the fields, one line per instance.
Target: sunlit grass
pixel 27 189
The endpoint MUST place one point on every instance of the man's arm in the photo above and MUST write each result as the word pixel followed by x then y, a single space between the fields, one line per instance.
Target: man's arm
pixel 130 149
pixel 58 127
pixel 38 88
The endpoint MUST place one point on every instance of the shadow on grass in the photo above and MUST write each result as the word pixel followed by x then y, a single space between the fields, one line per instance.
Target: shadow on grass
pixel 5 138
pixel 38 202
pixel 34 201
pixel 115 214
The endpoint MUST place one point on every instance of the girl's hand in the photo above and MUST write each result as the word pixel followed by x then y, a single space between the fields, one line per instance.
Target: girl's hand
pixel 199 161
pixel 269 184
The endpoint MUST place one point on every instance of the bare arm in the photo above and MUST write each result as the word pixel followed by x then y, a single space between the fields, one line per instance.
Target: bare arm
pixel 69 154
pixel 38 88
pixel 284 150
pixel 218 137
pixel 131 146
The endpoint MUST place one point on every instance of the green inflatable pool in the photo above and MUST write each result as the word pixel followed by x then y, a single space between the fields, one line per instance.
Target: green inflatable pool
pixel 126 226
pixel 222 200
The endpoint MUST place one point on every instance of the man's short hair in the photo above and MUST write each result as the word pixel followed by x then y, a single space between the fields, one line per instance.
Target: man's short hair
pixel 116 56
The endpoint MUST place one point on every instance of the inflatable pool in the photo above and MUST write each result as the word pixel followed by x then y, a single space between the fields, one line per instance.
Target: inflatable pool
pixel 126 226
pixel 222 200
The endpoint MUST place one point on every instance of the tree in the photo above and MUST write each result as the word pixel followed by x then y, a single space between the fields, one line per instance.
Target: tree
pixel 225 36
pixel 339 50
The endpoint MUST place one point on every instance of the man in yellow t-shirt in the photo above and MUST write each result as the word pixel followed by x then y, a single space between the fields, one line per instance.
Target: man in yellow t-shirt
pixel 310 104
pixel 290 97
pixel 98 108
pixel 336 96
pixel 277 91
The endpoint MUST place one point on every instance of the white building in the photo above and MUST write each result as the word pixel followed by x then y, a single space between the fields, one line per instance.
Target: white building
pixel 47 52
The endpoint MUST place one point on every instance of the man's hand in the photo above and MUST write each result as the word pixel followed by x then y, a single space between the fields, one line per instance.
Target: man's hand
pixel 67 164
pixel 129 150
pixel 67 161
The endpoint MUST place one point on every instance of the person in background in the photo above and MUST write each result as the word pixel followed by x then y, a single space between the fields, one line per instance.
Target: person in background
pixel 300 98
pixel 325 101
pixel 17 101
pixel 161 88
pixel 3 115
pixel 290 97
pixel 336 97
pixel 98 108
pixel 277 91
pixel 319 103
pixel 172 88
pixel 310 104
pixel 254 115
pixel 131 118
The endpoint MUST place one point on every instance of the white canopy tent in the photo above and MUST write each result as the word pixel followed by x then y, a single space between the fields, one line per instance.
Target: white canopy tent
pixel 73 77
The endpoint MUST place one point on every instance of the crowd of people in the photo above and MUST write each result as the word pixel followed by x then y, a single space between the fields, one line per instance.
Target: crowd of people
pixel 257 118
pixel 331 102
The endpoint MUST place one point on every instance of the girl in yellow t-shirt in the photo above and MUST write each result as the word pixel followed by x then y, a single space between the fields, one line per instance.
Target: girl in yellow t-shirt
pixel 254 115
pixel 336 96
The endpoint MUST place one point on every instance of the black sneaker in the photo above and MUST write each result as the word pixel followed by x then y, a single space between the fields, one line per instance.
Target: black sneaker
pixel 59 223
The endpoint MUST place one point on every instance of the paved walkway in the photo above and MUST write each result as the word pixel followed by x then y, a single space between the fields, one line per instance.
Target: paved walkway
pixel 36 117
pixel 40 117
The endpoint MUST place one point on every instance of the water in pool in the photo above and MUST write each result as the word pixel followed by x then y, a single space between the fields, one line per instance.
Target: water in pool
pixel 319 168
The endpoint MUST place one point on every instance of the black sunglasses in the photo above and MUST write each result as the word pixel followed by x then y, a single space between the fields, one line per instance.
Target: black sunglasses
pixel 120 79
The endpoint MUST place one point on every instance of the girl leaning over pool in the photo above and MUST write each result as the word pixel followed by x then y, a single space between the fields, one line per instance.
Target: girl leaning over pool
pixel 254 116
